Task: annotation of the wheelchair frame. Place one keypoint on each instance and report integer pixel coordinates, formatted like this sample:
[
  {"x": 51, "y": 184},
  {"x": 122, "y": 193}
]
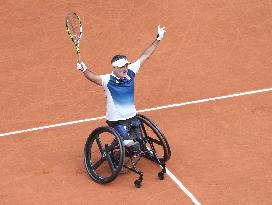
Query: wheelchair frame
[{"x": 104, "y": 144}]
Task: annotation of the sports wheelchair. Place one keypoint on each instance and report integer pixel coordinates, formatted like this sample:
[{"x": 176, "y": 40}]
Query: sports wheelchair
[{"x": 105, "y": 156}]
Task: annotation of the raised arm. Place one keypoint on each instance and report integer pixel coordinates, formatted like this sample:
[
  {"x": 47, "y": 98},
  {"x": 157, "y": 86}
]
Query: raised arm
[
  {"x": 87, "y": 73},
  {"x": 151, "y": 48}
]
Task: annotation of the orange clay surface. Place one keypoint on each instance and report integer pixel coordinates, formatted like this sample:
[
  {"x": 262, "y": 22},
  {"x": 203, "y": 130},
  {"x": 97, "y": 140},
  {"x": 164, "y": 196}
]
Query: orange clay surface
[{"x": 221, "y": 150}]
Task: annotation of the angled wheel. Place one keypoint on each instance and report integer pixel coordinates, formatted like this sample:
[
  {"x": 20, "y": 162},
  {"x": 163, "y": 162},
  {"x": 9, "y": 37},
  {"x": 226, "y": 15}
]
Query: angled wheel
[
  {"x": 154, "y": 139},
  {"x": 104, "y": 155}
]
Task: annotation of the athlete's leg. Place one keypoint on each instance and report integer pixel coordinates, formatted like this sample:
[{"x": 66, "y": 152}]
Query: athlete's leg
[{"x": 122, "y": 127}]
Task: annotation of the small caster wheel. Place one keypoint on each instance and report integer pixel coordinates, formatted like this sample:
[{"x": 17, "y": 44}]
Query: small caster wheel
[
  {"x": 161, "y": 175},
  {"x": 137, "y": 183}
]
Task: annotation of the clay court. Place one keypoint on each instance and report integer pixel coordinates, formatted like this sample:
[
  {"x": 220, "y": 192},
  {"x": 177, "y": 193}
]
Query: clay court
[{"x": 212, "y": 72}]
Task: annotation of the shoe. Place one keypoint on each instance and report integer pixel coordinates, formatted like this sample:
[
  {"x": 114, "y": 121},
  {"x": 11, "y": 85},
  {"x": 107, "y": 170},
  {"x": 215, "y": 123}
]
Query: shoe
[
  {"x": 128, "y": 143},
  {"x": 133, "y": 146}
]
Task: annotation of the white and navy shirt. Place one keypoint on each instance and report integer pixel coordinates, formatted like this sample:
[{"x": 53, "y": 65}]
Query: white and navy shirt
[{"x": 120, "y": 94}]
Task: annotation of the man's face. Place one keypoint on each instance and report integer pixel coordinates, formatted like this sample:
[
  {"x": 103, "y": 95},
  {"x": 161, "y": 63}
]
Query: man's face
[{"x": 120, "y": 72}]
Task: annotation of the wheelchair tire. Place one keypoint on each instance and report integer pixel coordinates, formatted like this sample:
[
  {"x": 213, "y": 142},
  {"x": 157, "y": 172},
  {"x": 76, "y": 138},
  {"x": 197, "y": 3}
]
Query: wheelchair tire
[
  {"x": 153, "y": 135},
  {"x": 104, "y": 154}
]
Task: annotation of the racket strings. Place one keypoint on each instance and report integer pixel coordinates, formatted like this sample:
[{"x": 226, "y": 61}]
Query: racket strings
[{"x": 74, "y": 26}]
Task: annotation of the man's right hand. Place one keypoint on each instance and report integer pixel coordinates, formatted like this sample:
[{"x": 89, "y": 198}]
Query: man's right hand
[{"x": 81, "y": 67}]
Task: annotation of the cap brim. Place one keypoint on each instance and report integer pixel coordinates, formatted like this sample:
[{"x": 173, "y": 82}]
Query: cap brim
[{"x": 120, "y": 62}]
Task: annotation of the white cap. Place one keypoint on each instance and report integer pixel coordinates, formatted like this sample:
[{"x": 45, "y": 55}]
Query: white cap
[{"x": 120, "y": 62}]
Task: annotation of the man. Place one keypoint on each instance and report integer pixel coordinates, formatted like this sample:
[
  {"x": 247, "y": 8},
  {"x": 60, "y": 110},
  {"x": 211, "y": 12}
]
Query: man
[{"x": 119, "y": 88}]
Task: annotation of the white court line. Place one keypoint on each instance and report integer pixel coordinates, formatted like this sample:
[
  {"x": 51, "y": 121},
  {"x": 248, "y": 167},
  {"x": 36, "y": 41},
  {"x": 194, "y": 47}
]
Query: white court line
[
  {"x": 139, "y": 111},
  {"x": 181, "y": 186}
]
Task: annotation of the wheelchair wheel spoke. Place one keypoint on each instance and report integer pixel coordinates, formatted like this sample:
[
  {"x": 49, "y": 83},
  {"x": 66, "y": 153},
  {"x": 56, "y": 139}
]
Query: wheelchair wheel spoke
[
  {"x": 144, "y": 130},
  {"x": 100, "y": 145},
  {"x": 154, "y": 141},
  {"x": 113, "y": 169},
  {"x": 150, "y": 138},
  {"x": 98, "y": 163}
]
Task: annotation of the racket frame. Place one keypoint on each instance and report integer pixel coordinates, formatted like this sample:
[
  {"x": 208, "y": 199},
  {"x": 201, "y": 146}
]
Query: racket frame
[{"x": 75, "y": 41}]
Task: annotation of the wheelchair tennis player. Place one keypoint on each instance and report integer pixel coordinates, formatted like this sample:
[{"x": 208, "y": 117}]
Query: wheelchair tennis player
[
  {"x": 129, "y": 129},
  {"x": 119, "y": 88}
]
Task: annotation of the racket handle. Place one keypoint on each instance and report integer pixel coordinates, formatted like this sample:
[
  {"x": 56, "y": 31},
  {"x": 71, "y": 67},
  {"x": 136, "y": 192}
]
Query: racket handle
[{"x": 79, "y": 57}]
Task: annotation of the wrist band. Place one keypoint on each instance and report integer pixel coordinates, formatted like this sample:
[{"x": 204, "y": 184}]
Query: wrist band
[
  {"x": 159, "y": 38},
  {"x": 84, "y": 67}
]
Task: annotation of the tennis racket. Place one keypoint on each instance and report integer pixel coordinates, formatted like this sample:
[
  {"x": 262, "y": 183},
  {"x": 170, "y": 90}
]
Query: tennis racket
[{"x": 74, "y": 29}]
